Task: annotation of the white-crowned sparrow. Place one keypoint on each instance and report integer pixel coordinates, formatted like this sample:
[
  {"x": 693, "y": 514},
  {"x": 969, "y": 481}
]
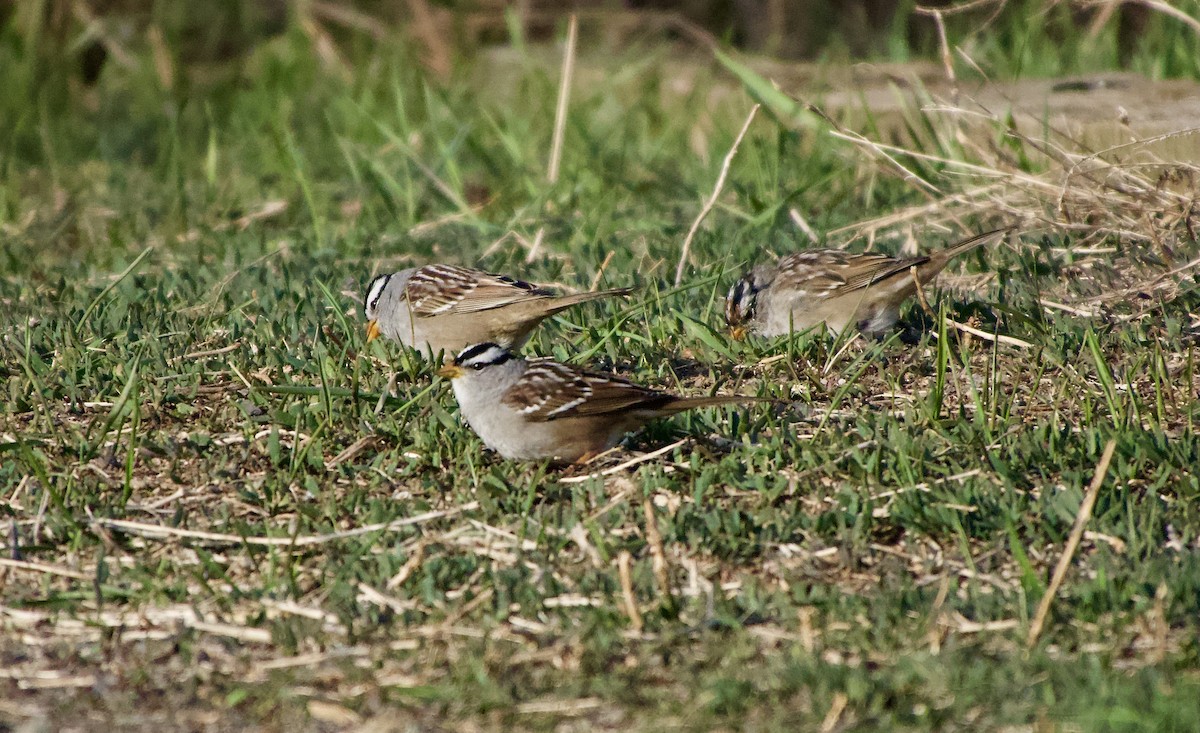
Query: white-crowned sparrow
[
  {"x": 439, "y": 308},
  {"x": 835, "y": 287},
  {"x": 539, "y": 408}
]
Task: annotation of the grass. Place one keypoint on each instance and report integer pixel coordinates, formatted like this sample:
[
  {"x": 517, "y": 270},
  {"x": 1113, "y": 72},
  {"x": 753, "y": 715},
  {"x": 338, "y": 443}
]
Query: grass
[{"x": 194, "y": 436}]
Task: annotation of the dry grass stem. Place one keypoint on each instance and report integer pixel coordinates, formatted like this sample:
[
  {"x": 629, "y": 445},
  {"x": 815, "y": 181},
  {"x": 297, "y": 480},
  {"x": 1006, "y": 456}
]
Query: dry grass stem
[
  {"x": 836, "y": 708},
  {"x": 956, "y": 9},
  {"x": 627, "y": 464},
  {"x": 560, "y": 707},
  {"x": 657, "y": 553},
  {"x": 1064, "y": 562},
  {"x": 371, "y": 595},
  {"x": 207, "y": 353},
  {"x": 884, "y": 152},
  {"x": 624, "y": 560},
  {"x": 936, "y": 621},
  {"x": 595, "y": 284},
  {"x": 153, "y": 622},
  {"x": 920, "y": 290},
  {"x": 158, "y": 531},
  {"x": 408, "y": 568},
  {"x": 564, "y": 98},
  {"x": 802, "y": 223},
  {"x": 997, "y": 338},
  {"x": 536, "y": 246},
  {"x": 944, "y": 46},
  {"x": 1067, "y": 309},
  {"x": 685, "y": 251},
  {"x": 38, "y": 567}
]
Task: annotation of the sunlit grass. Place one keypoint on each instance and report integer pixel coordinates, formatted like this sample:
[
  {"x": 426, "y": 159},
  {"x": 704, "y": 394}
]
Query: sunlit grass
[{"x": 181, "y": 348}]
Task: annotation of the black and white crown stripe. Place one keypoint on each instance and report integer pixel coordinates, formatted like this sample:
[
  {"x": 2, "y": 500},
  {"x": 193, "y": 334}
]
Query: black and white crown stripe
[
  {"x": 739, "y": 303},
  {"x": 482, "y": 355},
  {"x": 374, "y": 293}
]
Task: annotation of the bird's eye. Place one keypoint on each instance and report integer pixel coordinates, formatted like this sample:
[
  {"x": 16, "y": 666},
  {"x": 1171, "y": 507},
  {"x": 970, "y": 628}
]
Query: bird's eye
[{"x": 477, "y": 367}]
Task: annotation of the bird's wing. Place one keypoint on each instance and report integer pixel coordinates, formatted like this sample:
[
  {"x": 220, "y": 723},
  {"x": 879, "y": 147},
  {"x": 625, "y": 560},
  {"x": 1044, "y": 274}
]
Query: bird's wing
[
  {"x": 549, "y": 390},
  {"x": 442, "y": 289},
  {"x": 830, "y": 273}
]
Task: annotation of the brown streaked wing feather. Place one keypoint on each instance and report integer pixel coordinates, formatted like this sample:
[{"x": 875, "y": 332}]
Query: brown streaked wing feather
[
  {"x": 438, "y": 289},
  {"x": 610, "y": 395},
  {"x": 829, "y": 272},
  {"x": 824, "y": 273},
  {"x": 881, "y": 267},
  {"x": 549, "y": 391},
  {"x": 888, "y": 266},
  {"x": 817, "y": 272},
  {"x": 867, "y": 269},
  {"x": 874, "y": 268}
]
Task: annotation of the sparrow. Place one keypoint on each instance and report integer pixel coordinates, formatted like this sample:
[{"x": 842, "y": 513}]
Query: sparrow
[
  {"x": 443, "y": 308},
  {"x": 528, "y": 409},
  {"x": 839, "y": 289}
]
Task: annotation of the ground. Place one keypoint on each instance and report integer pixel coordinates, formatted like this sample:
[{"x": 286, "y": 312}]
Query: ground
[{"x": 225, "y": 510}]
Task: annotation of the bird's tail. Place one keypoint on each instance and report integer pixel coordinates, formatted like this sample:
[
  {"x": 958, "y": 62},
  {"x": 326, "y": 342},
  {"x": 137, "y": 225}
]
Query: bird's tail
[
  {"x": 969, "y": 244},
  {"x": 566, "y": 301},
  {"x": 679, "y": 404}
]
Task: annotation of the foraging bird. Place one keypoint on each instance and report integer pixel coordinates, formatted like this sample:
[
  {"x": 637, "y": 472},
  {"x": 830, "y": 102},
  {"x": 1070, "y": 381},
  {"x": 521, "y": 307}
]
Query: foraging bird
[
  {"x": 539, "y": 408},
  {"x": 836, "y": 288},
  {"x": 439, "y": 308}
]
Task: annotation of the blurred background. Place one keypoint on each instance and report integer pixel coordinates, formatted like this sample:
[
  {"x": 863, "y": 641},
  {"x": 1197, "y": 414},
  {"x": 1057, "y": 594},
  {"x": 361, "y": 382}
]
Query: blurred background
[
  {"x": 84, "y": 38},
  {"x": 374, "y": 115}
]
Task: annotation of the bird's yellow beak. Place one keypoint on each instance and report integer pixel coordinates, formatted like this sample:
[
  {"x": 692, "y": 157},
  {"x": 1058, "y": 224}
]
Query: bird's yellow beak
[
  {"x": 450, "y": 371},
  {"x": 372, "y": 331},
  {"x": 737, "y": 333}
]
